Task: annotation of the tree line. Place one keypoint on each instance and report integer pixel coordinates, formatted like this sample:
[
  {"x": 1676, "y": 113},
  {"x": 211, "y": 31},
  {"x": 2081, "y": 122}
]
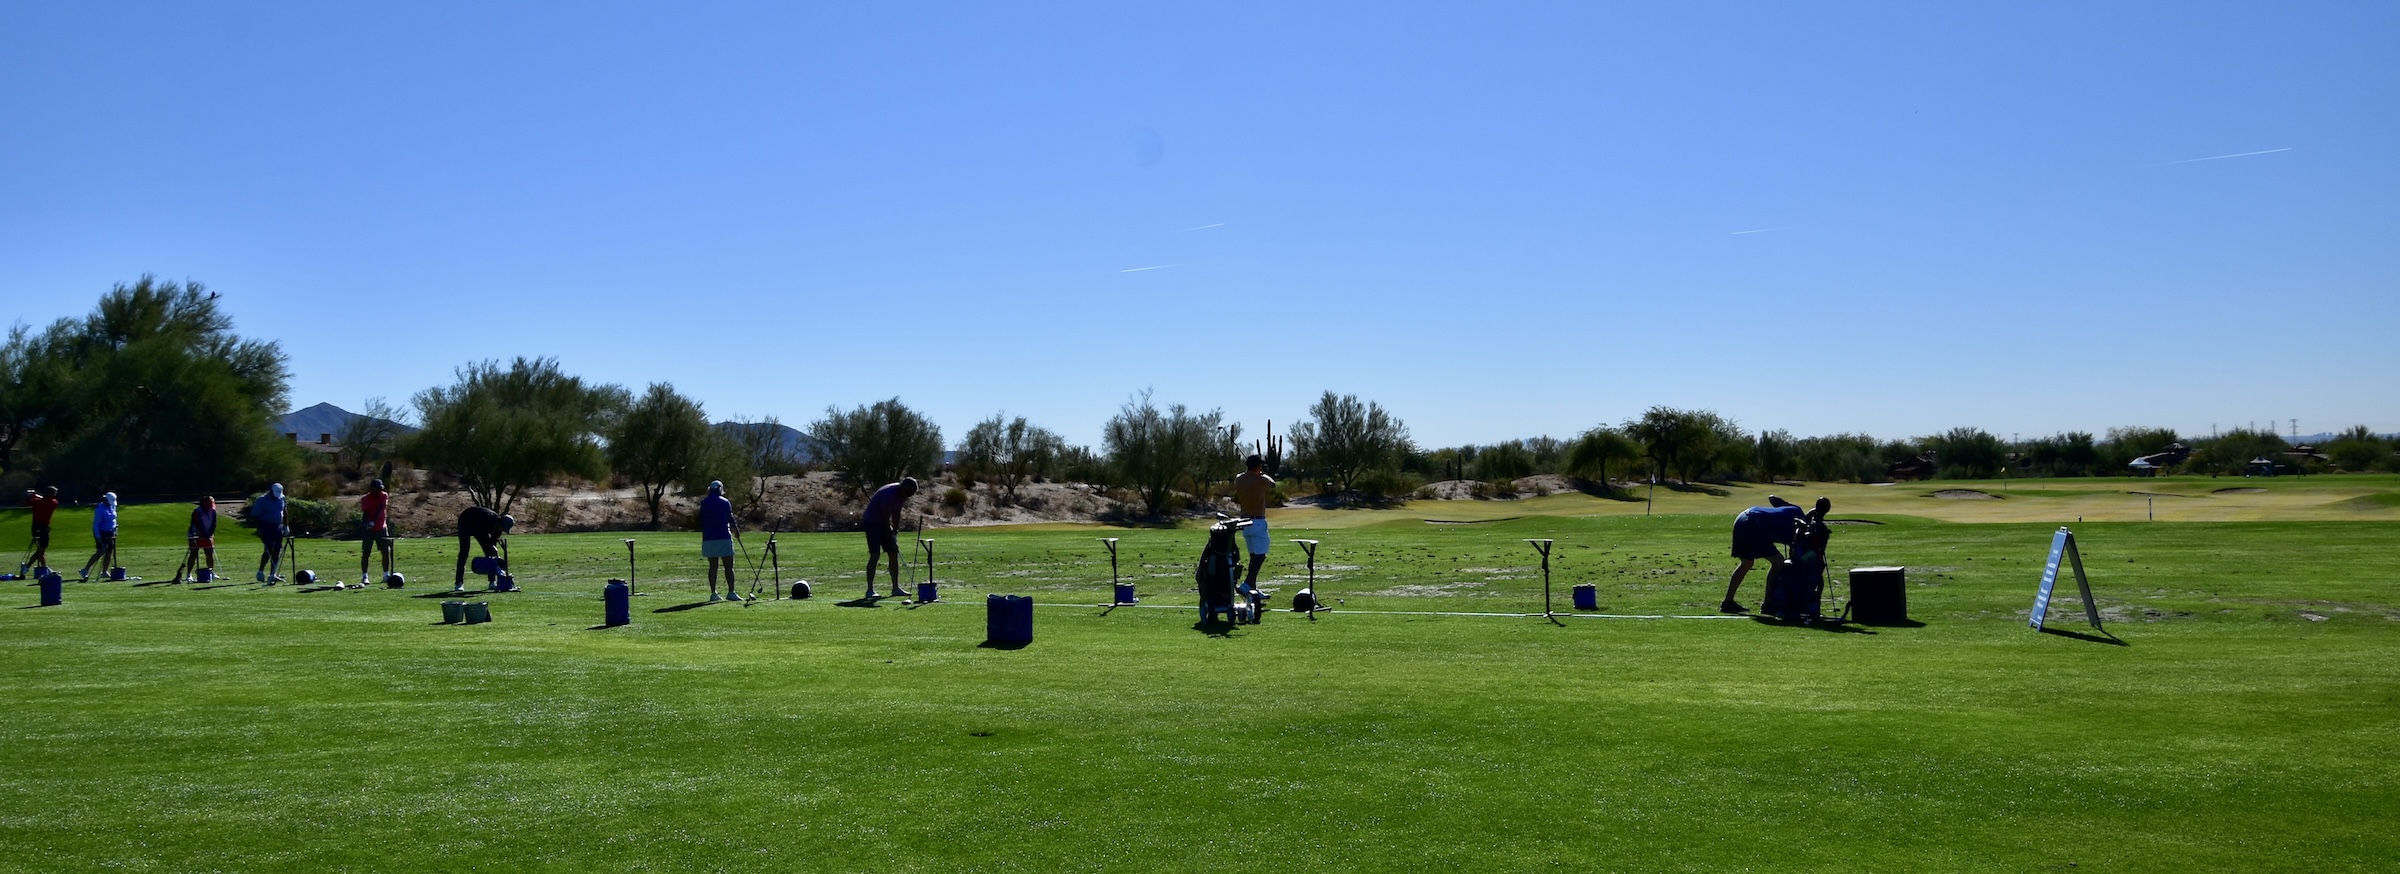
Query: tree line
[{"x": 153, "y": 394}]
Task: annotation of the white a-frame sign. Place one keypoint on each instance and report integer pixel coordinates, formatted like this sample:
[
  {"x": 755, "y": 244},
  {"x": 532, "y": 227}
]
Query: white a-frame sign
[{"x": 2063, "y": 546}]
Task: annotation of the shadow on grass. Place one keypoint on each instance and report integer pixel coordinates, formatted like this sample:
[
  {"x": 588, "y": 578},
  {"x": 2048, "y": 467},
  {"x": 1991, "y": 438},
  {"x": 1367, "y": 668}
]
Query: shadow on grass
[
  {"x": 603, "y": 627},
  {"x": 678, "y": 608},
  {"x": 1697, "y": 489},
  {"x": 1004, "y": 644},
  {"x": 2102, "y": 637},
  {"x": 1213, "y": 627},
  {"x": 1830, "y": 626},
  {"x": 1605, "y": 491},
  {"x": 155, "y": 583},
  {"x": 866, "y": 601},
  {"x": 220, "y": 586}
]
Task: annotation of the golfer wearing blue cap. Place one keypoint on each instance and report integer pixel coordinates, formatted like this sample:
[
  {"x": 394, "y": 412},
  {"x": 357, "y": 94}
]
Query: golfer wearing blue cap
[{"x": 716, "y": 539}]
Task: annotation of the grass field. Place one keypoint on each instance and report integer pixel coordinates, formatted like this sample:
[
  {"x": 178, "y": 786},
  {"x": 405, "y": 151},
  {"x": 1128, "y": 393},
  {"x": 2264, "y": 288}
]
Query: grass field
[{"x": 2242, "y": 712}]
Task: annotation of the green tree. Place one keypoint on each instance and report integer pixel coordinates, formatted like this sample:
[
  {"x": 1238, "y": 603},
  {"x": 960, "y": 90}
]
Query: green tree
[
  {"x": 501, "y": 431},
  {"x": 2232, "y": 451},
  {"x": 370, "y": 437},
  {"x": 1150, "y": 450},
  {"x": 19, "y": 406},
  {"x": 152, "y": 392},
  {"x": 1503, "y": 463},
  {"x": 2358, "y": 449},
  {"x": 2126, "y": 444},
  {"x": 1968, "y": 453},
  {"x": 1345, "y": 438},
  {"x": 880, "y": 443},
  {"x": 1772, "y": 454},
  {"x": 1682, "y": 443},
  {"x": 660, "y": 437},
  {"x": 1593, "y": 452},
  {"x": 1011, "y": 450},
  {"x": 723, "y": 457}
]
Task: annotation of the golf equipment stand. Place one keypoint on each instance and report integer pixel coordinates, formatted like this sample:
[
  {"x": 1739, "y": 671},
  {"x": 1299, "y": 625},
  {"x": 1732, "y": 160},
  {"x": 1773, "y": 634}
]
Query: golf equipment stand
[
  {"x": 1543, "y": 546},
  {"x": 630, "y": 588},
  {"x": 1314, "y": 602},
  {"x": 1115, "y": 585}
]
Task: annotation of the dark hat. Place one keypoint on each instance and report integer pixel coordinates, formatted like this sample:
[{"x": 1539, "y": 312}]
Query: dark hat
[{"x": 1255, "y": 461}]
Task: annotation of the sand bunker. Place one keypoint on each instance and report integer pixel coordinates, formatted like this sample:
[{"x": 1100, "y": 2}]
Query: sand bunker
[
  {"x": 2239, "y": 491},
  {"x": 1964, "y": 495}
]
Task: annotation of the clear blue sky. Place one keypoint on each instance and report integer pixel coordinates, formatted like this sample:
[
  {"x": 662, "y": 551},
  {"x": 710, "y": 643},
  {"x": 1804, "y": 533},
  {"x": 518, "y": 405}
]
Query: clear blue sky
[{"x": 1498, "y": 221}]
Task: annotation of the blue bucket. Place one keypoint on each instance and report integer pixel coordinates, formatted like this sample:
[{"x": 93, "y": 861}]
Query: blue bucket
[
  {"x": 206, "y": 574},
  {"x": 926, "y": 593},
  {"x": 504, "y": 583},
  {"x": 116, "y": 575},
  {"x": 486, "y": 565},
  {"x": 1008, "y": 619},
  {"x": 1125, "y": 593},
  {"x": 1587, "y": 597},
  {"x": 52, "y": 584},
  {"x": 616, "y": 604}
]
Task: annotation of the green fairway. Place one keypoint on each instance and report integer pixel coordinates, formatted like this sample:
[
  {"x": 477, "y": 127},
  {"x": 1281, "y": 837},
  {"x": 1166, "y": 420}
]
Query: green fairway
[{"x": 2242, "y": 713}]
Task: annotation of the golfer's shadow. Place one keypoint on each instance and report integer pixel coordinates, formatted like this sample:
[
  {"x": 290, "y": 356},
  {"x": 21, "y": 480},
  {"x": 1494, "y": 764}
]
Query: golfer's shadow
[
  {"x": 2110, "y": 639},
  {"x": 678, "y": 608},
  {"x": 1834, "y": 627},
  {"x": 868, "y": 601},
  {"x": 1213, "y": 627},
  {"x": 1003, "y": 644}
]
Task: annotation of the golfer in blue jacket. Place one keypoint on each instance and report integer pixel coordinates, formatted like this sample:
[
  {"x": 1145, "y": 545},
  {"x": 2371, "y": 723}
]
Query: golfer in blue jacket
[{"x": 104, "y": 537}]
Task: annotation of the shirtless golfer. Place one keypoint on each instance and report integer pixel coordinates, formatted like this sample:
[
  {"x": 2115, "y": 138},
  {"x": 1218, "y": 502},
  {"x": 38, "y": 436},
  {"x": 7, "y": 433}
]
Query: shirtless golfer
[
  {"x": 1250, "y": 490},
  {"x": 883, "y": 529}
]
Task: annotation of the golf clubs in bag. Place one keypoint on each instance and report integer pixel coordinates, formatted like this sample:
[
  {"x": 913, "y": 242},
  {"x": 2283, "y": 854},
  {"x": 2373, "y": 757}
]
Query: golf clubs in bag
[
  {"x": 1220, "y": 575},
  {"x": 1796, "y": 588}
]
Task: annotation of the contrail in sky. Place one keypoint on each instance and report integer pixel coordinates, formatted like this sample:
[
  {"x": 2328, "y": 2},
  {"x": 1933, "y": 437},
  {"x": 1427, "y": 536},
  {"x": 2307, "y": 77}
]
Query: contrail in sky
[
  {"x": 2222, "y": 157},
  {"x": 1206, "y": 227},
  {"x": 1759, "y": 231},
  {"x": 1140, "y": 269}
]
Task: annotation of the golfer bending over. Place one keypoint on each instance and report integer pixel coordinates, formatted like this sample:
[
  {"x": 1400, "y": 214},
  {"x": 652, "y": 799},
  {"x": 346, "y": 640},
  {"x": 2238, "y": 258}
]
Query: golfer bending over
[
  {"x": 375, "y": 515},
  {"x": 485, "y": 528},
  {"x": 1250, "y": 490},
  {"x": 267, "y": 514},
  {"x": 716, "y": 539},
  {"x": 43, "y": 504},
  {"x": 1756, "y": 531},
  {"x": 883, "y": 529},
  {"x": 200, "y": 536},
  {"x": 104, "y": 537}
]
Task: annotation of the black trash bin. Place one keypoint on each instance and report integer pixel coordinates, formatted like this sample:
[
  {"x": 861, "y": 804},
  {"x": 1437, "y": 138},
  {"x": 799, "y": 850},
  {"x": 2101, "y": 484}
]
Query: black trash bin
[{"x": 1879, "y": 595}]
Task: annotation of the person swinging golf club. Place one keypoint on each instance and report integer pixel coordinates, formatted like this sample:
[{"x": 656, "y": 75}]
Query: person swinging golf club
[
  {"x": 1251, "y": 490},
  {"x": 104, "y": 537},
  {"x": 375, "y": 516},
  {"x": 883, "y": 529},
  {"x": 42, "y": 504},
  {"x": 266, "y": 513},
  {"x": 716, "y": 539},
  {"x": 199, "y": 537},
  {"x": 484, "y": 528}
]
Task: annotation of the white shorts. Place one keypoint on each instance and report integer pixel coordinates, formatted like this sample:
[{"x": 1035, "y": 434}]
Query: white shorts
[{"x": 1256, "y": 537}]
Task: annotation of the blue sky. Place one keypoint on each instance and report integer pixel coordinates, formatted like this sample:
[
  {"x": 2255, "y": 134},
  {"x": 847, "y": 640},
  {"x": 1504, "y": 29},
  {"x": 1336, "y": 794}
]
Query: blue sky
[{"x": 1498, "y": 221}]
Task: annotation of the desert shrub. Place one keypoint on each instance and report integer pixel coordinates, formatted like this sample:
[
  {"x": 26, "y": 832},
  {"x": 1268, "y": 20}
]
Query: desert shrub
[
  {"x": 955, "y": 498},
  {"x": 545, "y": 515},
  {"x": 1377, "y": 485},
  {"x": 1480, "y": 490},
  {"x": 312, "y": 518}
]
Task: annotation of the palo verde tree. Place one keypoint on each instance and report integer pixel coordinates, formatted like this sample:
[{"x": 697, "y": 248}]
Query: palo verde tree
[
  {"x": 1345, "y": 438},
  {"x": 1150, "y": 449},
  {"x": 880, "y": 443},
  {"x": 1593, "y": 452},
  {"x": 661, "y": 436},
  {"x": 1675, "y": 440},
  {"x": 502, "y": 430},
  {"x": 2358, "y": 449},
  {"x": 1010, "y": 450},
  {"x": 152, "y": 392}
]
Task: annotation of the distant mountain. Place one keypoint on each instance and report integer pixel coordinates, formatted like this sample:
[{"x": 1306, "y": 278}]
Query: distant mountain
[
  {"x": 805, "y": 449},
  {"x": 321, "y": 419}
]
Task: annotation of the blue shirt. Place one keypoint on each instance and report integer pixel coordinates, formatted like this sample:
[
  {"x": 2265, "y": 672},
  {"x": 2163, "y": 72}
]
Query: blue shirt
[
  {"x": 883, "y": 509},
  {"x": 1773, "y": 523},
  {"x": 267, "y": 510},
  {"x": 716, "y": 518},
  {"x": 104, "y": 518}
]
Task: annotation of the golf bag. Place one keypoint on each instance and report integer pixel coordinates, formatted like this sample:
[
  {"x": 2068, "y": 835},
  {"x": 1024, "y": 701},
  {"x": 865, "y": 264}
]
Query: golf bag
[
  {"x": 1220, "y": 575},
  {"x": 1796, "y": 588}
]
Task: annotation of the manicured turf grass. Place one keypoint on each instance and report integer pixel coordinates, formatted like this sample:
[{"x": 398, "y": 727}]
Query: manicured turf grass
[{"x": 231, "y": 728}]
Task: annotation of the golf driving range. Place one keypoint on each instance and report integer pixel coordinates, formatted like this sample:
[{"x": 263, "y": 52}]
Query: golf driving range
[{"x": 2239, "y": 711}]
